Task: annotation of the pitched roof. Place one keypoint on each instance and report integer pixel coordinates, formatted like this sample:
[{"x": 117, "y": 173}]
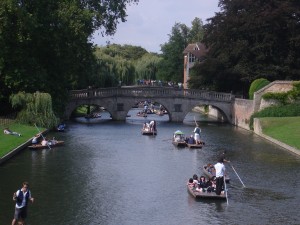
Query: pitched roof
[{"x": 197, "y": 49}]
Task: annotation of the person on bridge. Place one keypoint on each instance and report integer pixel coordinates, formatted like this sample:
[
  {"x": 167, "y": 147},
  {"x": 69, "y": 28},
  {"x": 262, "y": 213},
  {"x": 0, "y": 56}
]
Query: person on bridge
[{"x": 22, "y": 196}]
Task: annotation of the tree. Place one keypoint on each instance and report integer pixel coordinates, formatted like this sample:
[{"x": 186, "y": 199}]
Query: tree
[
  {"x": 253, "y": 39},
  {"x": 35, "y": 109},
  {"x": 196, "y": 32},
  {"x": 147, "y": 67},
  {"x": 46, "y": 45},
  {"x": 171, "y": 67}
]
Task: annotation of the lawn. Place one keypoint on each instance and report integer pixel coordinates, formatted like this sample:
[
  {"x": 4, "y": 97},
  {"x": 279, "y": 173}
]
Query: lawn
[
  {"x": 284, "y": 129},
  {"x": 9, "y": 142}
]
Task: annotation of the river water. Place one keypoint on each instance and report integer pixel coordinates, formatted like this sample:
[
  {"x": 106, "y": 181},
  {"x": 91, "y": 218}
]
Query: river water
[{"x": 108, "y": 173}]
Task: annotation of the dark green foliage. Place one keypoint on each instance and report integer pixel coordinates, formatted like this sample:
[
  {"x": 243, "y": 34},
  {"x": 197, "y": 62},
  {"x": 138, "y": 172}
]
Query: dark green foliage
[
  {"x": 46, "y": 45},
  {"x": 257, "y": 85},
  {"x": 35, "y": 109},
  {"x": 250, "y": 40},
  {"x": 286, "y": 97}
]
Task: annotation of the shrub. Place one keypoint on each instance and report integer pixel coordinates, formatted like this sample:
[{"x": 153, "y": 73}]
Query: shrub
[{"x": 257, "y": 85}]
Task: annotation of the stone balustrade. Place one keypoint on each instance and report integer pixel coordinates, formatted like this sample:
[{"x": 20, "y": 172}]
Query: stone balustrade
[{"x": 150, "y": 92}]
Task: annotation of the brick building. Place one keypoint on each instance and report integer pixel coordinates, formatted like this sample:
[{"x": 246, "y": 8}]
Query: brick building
[{"x": 192, "y": 53}]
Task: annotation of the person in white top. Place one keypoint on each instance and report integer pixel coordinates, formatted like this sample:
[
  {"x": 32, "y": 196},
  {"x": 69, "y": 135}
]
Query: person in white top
[
  {"x": 197, "y": 132},
  {"x": 220, "y": 172},
  {"x": 44, "y": 142},
  {"x": 21, "y": 197}
]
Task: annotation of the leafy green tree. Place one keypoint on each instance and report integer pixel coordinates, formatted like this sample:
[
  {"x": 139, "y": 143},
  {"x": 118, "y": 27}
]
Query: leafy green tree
[
  {"x": 250, "y": 40},
  {"x": 147, "y": 67},
  {"x": 196, "y": 32},
  {"x": 171, "y": 67},
  {"x": 46, "y": 45},
  {"x": 35, "y": 109},
  {"x": 128, "y": 52}
]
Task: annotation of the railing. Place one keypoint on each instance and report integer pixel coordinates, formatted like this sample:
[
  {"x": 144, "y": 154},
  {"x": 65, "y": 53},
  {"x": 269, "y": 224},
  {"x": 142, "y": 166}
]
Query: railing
[{"x": 151, "y": 92}]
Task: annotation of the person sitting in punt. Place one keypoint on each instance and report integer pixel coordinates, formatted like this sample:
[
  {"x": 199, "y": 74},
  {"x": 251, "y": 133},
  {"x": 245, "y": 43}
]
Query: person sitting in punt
[
  {"x": 44, "y": 142},
  {"x": 146, "y": 127},
  {"x": 210, "y": 169},
  {"x": 53, "y": 141},
  {"x": 202, "y": 184},
  {"x": 211, "y": 184},
  {"x": 35, "y": 139},
  {"x": 191, "y": 140},
  {"x": 177, "y": 137},
  {"x": 191, "y": 183},
  {"x": 195, "y": 178}
]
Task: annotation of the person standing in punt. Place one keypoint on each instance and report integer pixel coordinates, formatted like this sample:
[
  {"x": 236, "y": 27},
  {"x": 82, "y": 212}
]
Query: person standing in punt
[
  {"x": 220, "y": 172},
  {"x": 21, "y": 197},
  {"x": 197, "y": 132}
]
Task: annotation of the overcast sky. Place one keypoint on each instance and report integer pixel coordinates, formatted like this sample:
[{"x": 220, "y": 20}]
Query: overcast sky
[{"x": 150, "y": 22}]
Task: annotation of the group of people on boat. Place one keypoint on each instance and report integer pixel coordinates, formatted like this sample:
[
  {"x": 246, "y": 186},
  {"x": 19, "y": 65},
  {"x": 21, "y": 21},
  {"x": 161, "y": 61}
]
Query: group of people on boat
[
  {"x": 151, "y": 126},
  {"x": 192, "y": 139},
  {"x": 215, "y": 184},
  {"x": 47, "y": 142},
  {"x": 44, "y": 142},
  {"x": 202, "y": 184}
]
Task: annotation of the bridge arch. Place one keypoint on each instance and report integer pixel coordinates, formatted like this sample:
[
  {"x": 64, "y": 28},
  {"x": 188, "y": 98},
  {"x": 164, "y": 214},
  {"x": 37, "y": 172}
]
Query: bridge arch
[{"x": 178, "y": 102}]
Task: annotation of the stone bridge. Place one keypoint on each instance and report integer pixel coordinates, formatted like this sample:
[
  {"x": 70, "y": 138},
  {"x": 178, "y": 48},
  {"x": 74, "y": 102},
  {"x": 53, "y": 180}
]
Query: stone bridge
[{"x": 178, "y": 102}]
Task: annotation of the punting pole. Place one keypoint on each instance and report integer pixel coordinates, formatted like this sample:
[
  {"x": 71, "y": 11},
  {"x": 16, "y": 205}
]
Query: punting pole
[
  {"x": 42, "y": 135},
  {"x": 237, "y": 175},
  {"x": 225, "y": 189}
]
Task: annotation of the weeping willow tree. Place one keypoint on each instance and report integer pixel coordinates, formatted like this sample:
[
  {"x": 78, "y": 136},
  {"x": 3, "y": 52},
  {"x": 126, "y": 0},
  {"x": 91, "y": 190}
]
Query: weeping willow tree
[{"x": 34, "y": 108}]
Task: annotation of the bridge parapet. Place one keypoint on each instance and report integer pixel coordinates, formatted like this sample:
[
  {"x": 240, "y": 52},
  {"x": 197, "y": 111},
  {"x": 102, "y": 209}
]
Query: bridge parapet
[{"x": 150, "y": 92}]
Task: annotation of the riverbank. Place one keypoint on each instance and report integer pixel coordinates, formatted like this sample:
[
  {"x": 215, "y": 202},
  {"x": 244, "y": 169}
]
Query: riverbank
[
  {"x": 12, "y": 144},
  {"x": 283, "y": 131}
]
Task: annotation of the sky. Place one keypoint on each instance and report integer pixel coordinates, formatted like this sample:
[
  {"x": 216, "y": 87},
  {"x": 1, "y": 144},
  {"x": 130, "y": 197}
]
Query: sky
[{"x": 150, "y": 22}]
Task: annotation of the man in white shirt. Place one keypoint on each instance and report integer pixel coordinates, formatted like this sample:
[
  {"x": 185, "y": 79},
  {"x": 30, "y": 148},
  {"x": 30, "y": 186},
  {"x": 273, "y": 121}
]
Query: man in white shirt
[{"x": 220, "y": 172}]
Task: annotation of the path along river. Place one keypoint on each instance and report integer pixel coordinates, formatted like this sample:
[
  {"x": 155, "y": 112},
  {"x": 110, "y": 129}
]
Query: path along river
[{"x": 109, "y": 173}]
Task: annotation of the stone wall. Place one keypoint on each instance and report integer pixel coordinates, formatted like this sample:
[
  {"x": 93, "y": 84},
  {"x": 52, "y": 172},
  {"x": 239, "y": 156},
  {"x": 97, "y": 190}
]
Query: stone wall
[
  {"x": 276, "y": 86},
  {"x": 244, "y": 108},
  {"x": 241, "y": 113}
]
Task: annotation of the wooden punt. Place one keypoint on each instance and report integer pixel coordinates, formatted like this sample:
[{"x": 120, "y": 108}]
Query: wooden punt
[
  {"x": 205, "y": 195},
  {"x": 210, "y": 174},
  {"x": 179, "y": 143},
  {"x": 148, "y": 132},
  {"x": 194, "y": 145},
  {"x": 40, "y": 146}
]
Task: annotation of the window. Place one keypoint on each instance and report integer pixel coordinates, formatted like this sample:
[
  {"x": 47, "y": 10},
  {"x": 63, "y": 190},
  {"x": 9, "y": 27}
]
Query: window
[{"x": 192, "y": 58}]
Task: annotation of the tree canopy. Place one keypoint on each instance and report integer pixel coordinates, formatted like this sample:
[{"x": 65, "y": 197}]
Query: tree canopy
[
  {"x": 46, "y": 45},
  {"x": 249, "y": 40},
  {"x": 171, "y": 65}
]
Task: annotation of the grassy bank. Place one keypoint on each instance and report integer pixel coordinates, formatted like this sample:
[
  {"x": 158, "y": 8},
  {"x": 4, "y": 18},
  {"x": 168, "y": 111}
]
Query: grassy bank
[
  {"x": 284, "y": 129},
  {"x": 10, "y": 142}
]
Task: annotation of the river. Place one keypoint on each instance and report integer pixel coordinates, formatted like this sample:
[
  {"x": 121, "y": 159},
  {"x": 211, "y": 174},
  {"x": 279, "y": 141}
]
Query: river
[{"x": 108, "y": 173}]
